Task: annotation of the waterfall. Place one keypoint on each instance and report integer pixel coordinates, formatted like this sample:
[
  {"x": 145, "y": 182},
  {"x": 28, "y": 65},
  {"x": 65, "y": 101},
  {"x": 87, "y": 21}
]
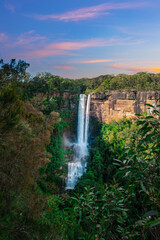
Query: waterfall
[
  {"x": 87, "y": 120},
  {"x": 78, "y": 166},
  {"x": 81, "y": 118}
]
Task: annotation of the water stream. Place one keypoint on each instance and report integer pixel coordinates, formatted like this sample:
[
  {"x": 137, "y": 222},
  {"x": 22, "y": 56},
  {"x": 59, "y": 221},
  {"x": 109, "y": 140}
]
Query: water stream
[{"x": 77, "y": 167}]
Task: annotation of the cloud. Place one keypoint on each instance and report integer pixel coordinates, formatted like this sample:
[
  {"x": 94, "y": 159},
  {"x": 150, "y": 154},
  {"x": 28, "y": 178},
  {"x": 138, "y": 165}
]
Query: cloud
[
  {"x": 64, "y": 67},
  {"x": 27, "y": 39},
  {"x": 32, "y": 45},
  {"x": 45, "y": 53},
  {"x": 98, "y": 61},
  {"x": 77, "y": 45},
  {"x": 156, "y": 69},
  {"x": 66, "y": 48},
  {"x": 90, "y": 12},
  {"x": 10, "y": 7},
  {"x": 144, "y": 69},
  {"x": 142, "y": 32},
  {"x": 126, "y": 67},
  {"x": 23, "y": 45},
  {"x": 3, "y": 37}
]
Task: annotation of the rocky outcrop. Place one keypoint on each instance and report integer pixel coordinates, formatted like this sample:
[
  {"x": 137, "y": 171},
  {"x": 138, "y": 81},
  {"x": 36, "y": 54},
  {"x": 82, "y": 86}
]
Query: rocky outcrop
[{"x": 113, "y": 105}]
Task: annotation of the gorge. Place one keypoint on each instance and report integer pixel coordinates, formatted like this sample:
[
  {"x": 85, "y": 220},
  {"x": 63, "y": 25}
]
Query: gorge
[{"x": 103, "y": 107}]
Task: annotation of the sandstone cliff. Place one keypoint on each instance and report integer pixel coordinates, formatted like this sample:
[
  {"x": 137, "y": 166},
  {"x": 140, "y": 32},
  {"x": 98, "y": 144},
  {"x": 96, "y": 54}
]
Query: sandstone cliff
[{"x": 115, "y": 105}]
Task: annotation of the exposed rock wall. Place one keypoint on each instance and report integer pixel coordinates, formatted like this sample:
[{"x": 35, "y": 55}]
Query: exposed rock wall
[{"x": 109, "y": 106}]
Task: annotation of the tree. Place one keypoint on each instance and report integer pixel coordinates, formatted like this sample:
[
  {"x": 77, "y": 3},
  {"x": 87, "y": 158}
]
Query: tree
[{"x": 12, "y": 72}]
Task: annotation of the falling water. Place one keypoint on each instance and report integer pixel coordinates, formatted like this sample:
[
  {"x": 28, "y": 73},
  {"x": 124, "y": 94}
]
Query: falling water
[
  {"x": 81, "y": 118},
  {"x": 87, "y": 120},
  {"x": 78, "y": 166}
]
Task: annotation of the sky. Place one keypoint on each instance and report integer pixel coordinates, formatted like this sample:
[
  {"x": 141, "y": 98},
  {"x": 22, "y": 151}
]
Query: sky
[{"x": 84, "y": 38}]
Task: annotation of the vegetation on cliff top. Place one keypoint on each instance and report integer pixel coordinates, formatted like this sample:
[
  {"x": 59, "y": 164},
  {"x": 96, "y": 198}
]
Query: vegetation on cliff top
[{"x": 46, "y": 83}]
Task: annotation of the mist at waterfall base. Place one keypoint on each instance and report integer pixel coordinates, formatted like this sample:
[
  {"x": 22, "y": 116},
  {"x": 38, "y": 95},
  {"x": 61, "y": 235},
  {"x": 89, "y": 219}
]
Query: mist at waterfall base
[{"x": 77, "y": 167}]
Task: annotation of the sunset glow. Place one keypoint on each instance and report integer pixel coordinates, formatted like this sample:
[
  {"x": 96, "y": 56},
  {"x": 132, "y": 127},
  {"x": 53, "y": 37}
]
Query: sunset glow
[
  {"x": 99, "y": 61},
  {"x": 134, "y": 68}
]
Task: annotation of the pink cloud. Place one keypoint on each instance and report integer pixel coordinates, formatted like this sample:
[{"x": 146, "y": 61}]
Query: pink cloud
[
  {"x": 3, "y": 37},
  {"x": 46, "y": 53},
  {"x": 77, "y": 45},
  {"x": 64, "y": 67},
  {"x": 115, "y": 66},
  {"x": 27, "y": 38},
  {"x": 65, "y": 48},
  {"x": 10, "y": 7},
  {"x": 90, "y": 12},
  {"x": 33, "y": 45},
  {"x": 126, "y": 67}
]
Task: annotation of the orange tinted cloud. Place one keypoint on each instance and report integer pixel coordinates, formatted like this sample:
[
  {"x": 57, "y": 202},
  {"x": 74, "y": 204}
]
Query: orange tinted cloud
[
  {"x": 134, "y": 68},
  {"x": 90, "y": 12},
  {"x": 98, "y": 61},
  {"x": 156, "y": 69},
  {"x": 144, "y": 69}
]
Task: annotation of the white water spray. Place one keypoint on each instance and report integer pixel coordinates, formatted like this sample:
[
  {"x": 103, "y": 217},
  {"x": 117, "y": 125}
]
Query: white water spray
[
  {"x": 81, "y": 118},
  {"x": 78, "y": 166}
]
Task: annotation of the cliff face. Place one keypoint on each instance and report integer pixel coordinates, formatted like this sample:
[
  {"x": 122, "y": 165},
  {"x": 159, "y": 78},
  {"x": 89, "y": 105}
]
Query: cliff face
[{"x": 115, "y": 105}]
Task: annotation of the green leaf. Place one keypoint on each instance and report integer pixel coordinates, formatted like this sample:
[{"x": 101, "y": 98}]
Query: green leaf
[
  {"x": 149, "y": 105},
  {"x": 140, "y": 122},
  {"x": 143, "y": 187},
  {"x": 149, "y": 117},
  {"x": 153, "y": 223},
  {"x": 150, "y": 213}
]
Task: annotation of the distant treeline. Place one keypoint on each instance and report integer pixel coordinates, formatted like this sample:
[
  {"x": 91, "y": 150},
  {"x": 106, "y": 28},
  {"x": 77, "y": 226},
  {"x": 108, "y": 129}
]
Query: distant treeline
[
  {"x": 49, "y": 83},
  {"x": 46, "y": 82}
]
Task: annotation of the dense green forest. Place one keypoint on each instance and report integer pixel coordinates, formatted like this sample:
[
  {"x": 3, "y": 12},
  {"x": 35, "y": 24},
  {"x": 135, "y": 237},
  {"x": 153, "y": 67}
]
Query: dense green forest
[{"x": 119, "y": 195}]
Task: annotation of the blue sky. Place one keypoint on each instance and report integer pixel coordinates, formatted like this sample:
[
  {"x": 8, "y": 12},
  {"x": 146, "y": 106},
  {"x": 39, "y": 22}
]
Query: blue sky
[{"x": 82, "y": 38}]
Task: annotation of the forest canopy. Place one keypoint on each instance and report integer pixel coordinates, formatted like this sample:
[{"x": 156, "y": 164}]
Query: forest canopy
[{"x": 48, "y": 83}]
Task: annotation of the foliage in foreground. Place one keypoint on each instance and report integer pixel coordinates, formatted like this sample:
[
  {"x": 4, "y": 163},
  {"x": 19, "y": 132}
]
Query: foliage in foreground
[{"x": 128, "y": 206}]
